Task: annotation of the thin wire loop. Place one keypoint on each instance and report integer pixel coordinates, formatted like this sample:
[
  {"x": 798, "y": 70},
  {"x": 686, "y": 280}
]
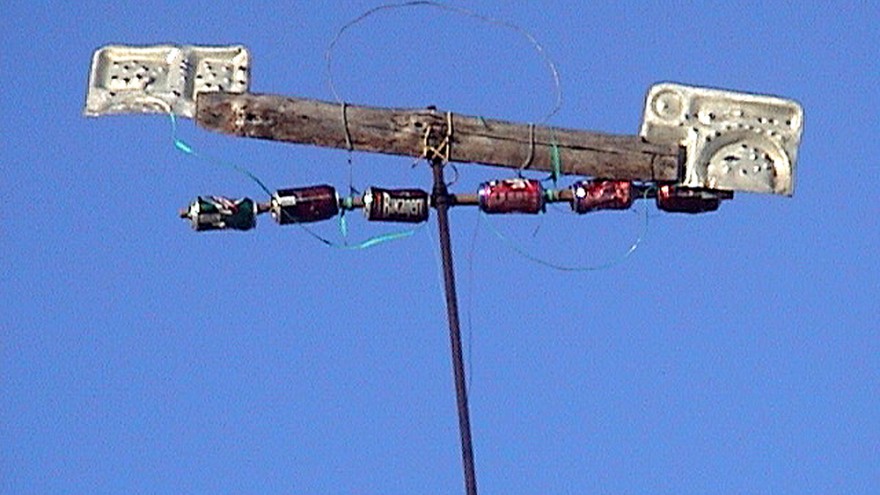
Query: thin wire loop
[
  {"x": 568, "y": 268},
  {"x": 349, "y": 146},
  {"x": 455, "y": 175},
  {"x": 528, "y": 161},
  {"x": 469, "y": 315},
  {"x": 551, "y": 65}
]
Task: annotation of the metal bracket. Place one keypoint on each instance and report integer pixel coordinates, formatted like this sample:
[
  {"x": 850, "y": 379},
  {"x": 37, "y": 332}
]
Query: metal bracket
[
  {"x": 163, "y": 78},
  {"x": 734, "y": 141}
]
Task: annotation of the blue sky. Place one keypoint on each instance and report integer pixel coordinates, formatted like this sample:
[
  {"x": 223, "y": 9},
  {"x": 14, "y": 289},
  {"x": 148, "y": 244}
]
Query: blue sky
[{"x": 734, "y": 352}]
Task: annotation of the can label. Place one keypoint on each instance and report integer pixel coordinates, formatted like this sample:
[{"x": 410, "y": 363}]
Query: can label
[
  {"x": 305, "y": 204},
  {"x": 686, "y": 200},
  {"x": 396, "y": 205},
  {"x": 595, "y": 195},
  {"x": 221, "y": 213},
  {"x": 512, "y": 196}
]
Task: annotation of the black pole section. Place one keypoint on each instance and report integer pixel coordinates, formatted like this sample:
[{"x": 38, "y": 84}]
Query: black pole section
[{"x": 441, "y": 200}]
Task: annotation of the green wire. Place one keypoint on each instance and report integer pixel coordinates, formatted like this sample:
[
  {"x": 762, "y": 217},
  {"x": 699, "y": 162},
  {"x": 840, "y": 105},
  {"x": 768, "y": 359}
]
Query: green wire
[
  {"x": 185, "y": 148},
  {"x": 555, "y": 159}
]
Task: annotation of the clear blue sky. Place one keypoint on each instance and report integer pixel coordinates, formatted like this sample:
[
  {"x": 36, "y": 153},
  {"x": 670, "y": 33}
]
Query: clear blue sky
[{"x": 734, "y": 352}]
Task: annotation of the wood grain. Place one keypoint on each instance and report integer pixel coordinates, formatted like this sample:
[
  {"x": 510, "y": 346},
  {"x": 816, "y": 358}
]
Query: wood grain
[{"x": 402, "y": 132}]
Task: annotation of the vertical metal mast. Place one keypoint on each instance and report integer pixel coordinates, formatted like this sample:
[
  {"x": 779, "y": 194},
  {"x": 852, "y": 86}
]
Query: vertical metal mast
[{"x": 441, "y": 201}]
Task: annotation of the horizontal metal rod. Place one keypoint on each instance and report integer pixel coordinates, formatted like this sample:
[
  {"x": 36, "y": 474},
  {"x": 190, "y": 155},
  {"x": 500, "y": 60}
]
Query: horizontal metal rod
[
  {"x": 432, "y": 133},
  {"x": 641, "y": 191}
]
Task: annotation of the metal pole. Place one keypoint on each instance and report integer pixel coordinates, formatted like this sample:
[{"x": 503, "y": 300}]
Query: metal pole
[{"x": 441, "y": 201}]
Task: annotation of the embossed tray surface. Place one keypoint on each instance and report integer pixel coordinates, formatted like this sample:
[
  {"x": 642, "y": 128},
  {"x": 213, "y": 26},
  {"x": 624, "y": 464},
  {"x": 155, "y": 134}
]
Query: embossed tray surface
[
  {"x": 734, "y": 141},
  {"x": 162, "y": 78}
]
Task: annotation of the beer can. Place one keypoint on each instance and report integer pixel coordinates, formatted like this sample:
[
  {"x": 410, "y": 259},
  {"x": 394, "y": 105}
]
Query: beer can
[
  {"x": 396, "y": 205},
  {"x": 304, "y": 204},
  {"x": 512, "y": 196},
  {"x": 221, "y": 213},
  {"x": 592, "y": 195},
  {"x": 678, "y": 199}
]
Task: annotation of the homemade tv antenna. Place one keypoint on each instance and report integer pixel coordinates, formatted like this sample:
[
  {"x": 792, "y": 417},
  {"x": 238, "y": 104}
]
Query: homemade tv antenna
[{"x": 695, "y": 148}]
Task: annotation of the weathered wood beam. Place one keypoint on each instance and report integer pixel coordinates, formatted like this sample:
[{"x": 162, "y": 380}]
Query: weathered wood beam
[{"x": 402, "y": 132}]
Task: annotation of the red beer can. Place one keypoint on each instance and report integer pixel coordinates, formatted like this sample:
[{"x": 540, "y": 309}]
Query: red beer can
[
  {"x": 595, "y": 195},
  {"x": 304, "y": 204},
  {"x": 396, "y": 205},
  {"x": 678, "y": 199},
  {"x": 512, "y": 196}
]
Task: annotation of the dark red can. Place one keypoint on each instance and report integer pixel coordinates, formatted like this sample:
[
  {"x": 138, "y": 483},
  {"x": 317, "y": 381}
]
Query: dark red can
[
  {"x": 678, "y": 199},
  {"x": 595, "y": 195},
  {"x": 512, "y": 196},
  {"x": 396, "y": 205},
  {"x": 305, "y": 204}
]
